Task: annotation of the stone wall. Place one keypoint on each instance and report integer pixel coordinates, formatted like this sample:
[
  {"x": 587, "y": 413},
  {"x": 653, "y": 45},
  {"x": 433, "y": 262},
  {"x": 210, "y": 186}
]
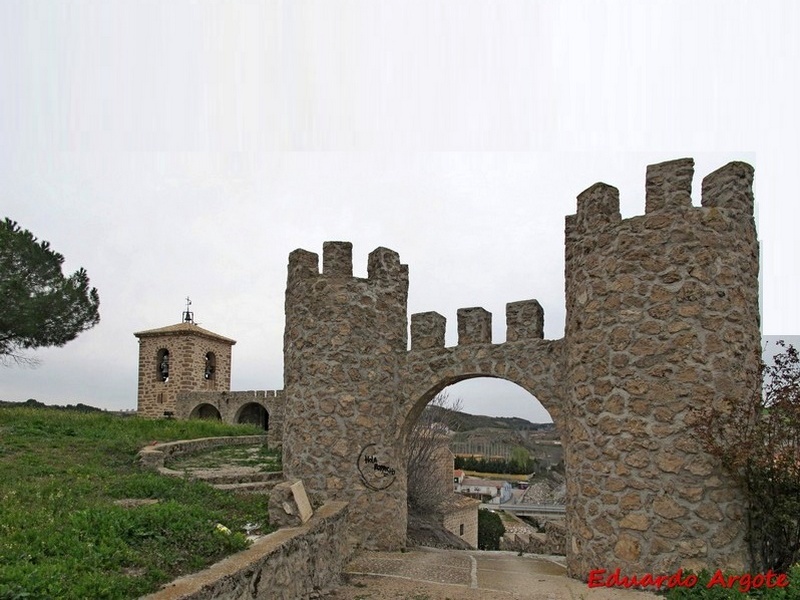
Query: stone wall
[
  {"x": 461, "y": 518},
  {"x": 662, "y": 318},
  {"x": 551, "y": 541},
  {"x": 231, "y": 407},
  {"x": 289, "y": 564}
]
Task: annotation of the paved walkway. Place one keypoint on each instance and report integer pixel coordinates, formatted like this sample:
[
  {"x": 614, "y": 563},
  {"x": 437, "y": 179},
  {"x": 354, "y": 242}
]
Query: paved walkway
[{"x": 429, "y": 574}]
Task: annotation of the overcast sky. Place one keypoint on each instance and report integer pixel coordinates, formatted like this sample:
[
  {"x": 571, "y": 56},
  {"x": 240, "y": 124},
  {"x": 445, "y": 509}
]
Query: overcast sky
[{"x": 186, "y": 147}]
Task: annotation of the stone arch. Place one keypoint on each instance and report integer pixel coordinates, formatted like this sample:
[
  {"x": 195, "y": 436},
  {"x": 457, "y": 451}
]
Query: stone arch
[
  {"x": 253, "y": 413},
  {"x": 420, "y": 399},
  {"x": 533, "y": 365},
  {"x": 206, "y": 411}
]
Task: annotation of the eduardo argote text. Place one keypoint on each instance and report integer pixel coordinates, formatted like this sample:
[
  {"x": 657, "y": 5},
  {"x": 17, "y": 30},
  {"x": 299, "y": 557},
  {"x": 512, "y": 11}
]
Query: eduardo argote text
[{"x": 744, "y": 583}]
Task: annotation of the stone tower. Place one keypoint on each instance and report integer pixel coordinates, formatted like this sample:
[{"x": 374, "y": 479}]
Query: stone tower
[
  {"x": 344, "y": 342},
  {"x": 662, "y": 320},
  {"x": 180, "y": 358}
]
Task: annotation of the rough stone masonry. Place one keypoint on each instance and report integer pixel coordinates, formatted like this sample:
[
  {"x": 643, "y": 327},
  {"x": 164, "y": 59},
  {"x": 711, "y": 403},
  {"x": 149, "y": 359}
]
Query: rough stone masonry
[{"x": 662, "y": 318}]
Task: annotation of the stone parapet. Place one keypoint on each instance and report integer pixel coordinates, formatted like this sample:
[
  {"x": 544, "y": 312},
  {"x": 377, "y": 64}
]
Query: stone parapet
[{"x": 289, "y": 564}]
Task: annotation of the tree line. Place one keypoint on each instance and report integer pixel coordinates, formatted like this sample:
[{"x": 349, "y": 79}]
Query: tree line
[{"x": 516, "y": 465}]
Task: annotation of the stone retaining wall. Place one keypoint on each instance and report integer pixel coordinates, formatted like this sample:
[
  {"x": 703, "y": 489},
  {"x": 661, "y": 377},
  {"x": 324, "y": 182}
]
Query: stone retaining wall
[
  {"x": 153, "y": 457},
  {"x": 290, "y": 564}
]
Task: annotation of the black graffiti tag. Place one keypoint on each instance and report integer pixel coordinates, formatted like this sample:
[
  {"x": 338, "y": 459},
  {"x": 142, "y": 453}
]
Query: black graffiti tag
[{"x": 374, "y": 475}]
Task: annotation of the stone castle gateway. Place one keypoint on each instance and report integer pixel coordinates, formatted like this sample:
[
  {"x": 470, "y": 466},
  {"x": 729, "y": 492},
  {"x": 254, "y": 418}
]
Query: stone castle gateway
[{"x": 662, "y": 319}]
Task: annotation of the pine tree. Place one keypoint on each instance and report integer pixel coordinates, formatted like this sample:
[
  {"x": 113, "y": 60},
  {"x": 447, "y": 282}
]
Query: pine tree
[{"x": 39, "y": 306}]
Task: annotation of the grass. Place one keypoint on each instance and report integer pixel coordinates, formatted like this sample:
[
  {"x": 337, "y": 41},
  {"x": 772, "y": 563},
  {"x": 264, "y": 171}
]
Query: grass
[{"x": 62, "y": 536}]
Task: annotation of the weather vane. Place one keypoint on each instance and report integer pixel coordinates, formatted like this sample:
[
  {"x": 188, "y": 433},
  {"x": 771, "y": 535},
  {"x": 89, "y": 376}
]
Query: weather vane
[{"x": 188, "y": 316}]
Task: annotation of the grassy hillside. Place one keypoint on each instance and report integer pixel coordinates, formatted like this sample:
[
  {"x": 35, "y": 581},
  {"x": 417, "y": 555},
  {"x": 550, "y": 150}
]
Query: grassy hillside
[{"x": 62, "y": 535}]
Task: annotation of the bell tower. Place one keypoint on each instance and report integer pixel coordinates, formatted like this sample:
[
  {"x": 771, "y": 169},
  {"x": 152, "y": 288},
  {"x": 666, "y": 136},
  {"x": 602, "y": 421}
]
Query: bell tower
[{"x": 180, "y": 358}]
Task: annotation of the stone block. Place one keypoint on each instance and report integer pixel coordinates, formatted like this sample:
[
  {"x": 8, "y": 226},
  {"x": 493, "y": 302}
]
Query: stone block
[
  {"x": 284, "y": 509},
  {"x": 669, "y": 185},
  {"x": 524, "y": 320},
  {"x": 301, "y": 501},
  {"x": 337, "y": 259},
  {"x": 427, "y": 330},
  {"x": 598, "y": 205},
  {"x": 730, "y": 186},
  {"x": 474, "y": 326}
]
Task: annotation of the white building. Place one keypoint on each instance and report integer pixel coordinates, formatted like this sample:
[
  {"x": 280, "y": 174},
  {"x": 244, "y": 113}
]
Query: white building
[{"x": 486, "y": 490}]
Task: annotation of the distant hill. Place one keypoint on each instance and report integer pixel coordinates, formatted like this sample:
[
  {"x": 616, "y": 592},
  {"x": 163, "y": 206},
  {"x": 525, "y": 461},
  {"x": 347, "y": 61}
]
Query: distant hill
[
  {"x": 36, "y": 404},
  {"x": 461, "y": 421}
]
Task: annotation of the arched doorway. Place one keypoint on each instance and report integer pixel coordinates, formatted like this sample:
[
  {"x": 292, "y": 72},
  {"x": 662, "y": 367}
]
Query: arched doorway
[
  {"x": 487, "y": 443},
  {"x": 205, "y": 411},
  {"x": 254, "y": 414}
]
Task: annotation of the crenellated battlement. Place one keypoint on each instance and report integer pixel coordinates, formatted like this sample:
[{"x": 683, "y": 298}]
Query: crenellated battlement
[
  {"x": 303, "y": 265},
  {"x": 383, "y": 264},
  {"x": 598, "y": 206},
  {"x": 474, "y": 326},
  {"x": 524, "y": 320},
  {"x": 668, "y": 187}
]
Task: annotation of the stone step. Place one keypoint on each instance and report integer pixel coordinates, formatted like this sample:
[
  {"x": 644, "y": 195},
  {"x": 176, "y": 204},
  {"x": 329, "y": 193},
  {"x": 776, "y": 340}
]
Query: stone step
[
  {"x": 272, "y": 476},
  {"x": 235, "y": 476},
  {"x": 251, "y": 487}
]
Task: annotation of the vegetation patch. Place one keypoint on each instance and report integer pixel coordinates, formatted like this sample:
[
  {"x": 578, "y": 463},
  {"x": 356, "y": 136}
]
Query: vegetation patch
[
  {"x": 63, "y": 533},
  {"x": 727, "y": 586},
  {"x": 259, "y": 457},
  {"x": 490, "y": 529}
]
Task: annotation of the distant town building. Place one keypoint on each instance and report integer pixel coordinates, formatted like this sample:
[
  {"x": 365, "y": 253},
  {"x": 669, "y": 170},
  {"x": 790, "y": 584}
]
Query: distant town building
[{"x": 486, "y": 490}]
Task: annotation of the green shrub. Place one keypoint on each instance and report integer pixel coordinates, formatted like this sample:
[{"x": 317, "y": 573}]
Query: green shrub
[
  {"x": 757, "y": 438},
  {"x": 490, "y": 530},
  {"x": 722, "y": 592}
]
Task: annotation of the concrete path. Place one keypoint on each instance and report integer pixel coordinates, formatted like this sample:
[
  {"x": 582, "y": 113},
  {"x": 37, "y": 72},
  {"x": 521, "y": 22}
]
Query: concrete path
[{"x": 429, "y": 574}]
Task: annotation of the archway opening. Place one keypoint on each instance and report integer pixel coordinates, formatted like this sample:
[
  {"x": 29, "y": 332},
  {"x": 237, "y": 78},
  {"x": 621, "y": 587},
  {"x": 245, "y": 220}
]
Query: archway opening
[
  {"x": 206, "y": 411},
  {"x": 162, "y": 365},
  {"x": 495, "y": 452},
  {"x": 254, "y": 414},
  {"x": 210, "y": 366}
]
